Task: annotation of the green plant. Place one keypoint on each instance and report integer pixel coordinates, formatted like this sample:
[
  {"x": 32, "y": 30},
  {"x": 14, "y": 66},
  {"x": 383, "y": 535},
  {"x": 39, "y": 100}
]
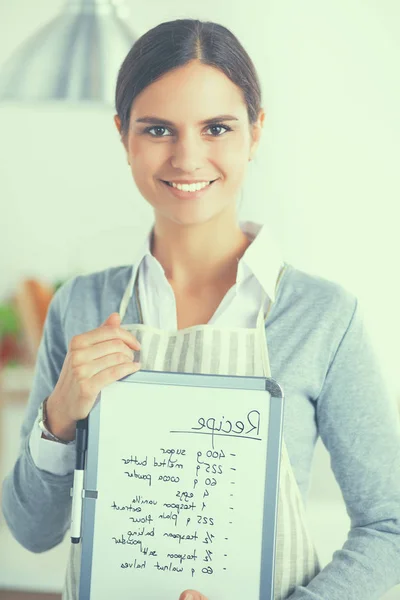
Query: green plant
[
  {"x": 9, "y": 321},
  {"x": 58, "y": 284},
  {"x": 10, "y": 330}
]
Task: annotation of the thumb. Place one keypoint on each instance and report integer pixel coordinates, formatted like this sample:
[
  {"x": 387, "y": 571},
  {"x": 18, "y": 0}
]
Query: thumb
[
  {"x": 114, "y": 320},
  {"x": 191, "y": 595}
]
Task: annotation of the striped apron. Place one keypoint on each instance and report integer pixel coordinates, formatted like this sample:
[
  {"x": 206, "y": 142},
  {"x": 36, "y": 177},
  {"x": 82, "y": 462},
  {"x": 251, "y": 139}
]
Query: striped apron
[{"x": 207, "y": 349}]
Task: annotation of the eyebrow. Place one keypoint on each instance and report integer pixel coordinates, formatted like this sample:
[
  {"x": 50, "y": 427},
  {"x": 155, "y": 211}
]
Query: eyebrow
[{"x": 153, "y": 119}]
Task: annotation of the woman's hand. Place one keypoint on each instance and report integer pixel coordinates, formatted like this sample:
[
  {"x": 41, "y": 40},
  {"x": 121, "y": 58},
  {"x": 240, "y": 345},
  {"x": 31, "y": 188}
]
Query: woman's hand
[
  {"x": 94, "y": 359},
  {"x": 191, "y": 595}
]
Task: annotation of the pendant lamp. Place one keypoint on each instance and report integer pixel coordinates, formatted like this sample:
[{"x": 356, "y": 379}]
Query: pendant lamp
[{"x": 74, "y": 58}]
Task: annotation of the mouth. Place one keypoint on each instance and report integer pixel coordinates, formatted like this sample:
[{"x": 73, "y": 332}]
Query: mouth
[
  {"x": 186, "y": 194},
  {"x": 170, "y": 184}
]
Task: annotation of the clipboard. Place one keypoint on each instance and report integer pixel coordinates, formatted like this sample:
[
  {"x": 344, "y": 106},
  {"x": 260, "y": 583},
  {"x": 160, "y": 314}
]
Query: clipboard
[{"x": 181, "y": 487}]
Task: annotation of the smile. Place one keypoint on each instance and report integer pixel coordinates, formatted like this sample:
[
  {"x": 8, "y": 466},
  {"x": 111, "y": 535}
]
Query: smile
[
  {"x": 189, "y": 187},
  {"x": 189, "y": 191}
]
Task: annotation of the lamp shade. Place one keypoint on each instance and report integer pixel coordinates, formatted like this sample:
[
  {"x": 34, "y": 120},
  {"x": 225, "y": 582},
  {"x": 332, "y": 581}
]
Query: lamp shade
[{"x": 75, "y": 57}]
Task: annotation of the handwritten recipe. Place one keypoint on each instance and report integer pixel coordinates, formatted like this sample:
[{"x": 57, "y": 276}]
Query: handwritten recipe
[{"x": 180, "y": 481}]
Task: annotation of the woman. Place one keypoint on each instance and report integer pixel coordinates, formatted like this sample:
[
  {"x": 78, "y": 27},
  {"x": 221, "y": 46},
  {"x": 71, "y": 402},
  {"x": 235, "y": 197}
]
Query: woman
[{"x": 188, "y": 104}]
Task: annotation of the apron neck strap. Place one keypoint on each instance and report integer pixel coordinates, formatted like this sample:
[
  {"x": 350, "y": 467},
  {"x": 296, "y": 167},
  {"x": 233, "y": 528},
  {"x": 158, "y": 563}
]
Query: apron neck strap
[{"x": 127, "y": 294}]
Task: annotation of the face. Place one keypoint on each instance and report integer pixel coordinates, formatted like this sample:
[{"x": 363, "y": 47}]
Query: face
[{"x": 187, "y": 148}]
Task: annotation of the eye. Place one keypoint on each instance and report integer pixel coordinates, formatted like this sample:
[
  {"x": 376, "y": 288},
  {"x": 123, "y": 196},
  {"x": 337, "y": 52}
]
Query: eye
[
  {"x": 220, "y": 125},
  {"x": 158, "y": 127},
  {"x": 148, "y": 130}
]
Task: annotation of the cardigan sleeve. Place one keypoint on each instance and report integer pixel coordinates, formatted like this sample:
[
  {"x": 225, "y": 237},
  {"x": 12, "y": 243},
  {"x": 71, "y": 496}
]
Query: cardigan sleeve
[
  {"x": 53, "y": 457},
  {"x": 36, "y": 503},
  {"x": 358, "y": 422}
]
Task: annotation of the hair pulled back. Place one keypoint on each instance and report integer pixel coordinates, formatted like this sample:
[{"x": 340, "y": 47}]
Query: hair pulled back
[{"x": 173, "y": 44}]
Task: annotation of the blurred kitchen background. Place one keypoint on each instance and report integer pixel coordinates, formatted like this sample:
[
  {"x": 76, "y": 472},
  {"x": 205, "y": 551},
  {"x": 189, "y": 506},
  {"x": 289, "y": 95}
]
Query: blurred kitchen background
[{"x": 325, "y": 180}]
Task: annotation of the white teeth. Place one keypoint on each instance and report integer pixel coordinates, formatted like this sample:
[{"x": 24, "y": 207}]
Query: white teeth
[{"x": 193, "y": 187}]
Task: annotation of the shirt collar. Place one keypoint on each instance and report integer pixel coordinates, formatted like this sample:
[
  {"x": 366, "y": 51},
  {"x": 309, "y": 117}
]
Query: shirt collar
[{"x": 263, "y": 257}]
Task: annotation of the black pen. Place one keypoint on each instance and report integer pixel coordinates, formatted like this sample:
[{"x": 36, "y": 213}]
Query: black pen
[{"x": 77, "y": 491}]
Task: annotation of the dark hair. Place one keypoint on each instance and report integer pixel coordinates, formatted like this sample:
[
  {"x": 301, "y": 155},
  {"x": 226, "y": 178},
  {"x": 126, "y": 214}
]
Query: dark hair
[{"x": 173, "y": 44}]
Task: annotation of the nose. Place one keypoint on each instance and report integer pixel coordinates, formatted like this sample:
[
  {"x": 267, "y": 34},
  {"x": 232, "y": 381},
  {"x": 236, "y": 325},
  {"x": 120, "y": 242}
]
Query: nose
[{"x": 188, "y": 153}]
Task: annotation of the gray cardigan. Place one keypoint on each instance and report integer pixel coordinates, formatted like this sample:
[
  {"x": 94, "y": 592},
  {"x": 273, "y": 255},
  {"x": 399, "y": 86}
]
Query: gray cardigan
[{"x": 321, "y": 355}]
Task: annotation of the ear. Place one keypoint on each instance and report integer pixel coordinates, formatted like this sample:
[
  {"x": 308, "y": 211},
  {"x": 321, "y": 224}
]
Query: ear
[
  {"x": 117, "y": 122},
  {"x": 118, "y": 125},
  {"x": 256, "y": 131}
]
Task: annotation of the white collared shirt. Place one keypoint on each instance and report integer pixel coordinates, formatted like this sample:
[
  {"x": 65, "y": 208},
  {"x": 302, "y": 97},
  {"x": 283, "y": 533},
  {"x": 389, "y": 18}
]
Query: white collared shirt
[{"x": 258, "y": 270}]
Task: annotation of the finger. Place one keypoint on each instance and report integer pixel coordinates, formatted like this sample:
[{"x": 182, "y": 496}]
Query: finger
[
  {"x": 93, "y": 386},
  {"x": 89, "y": 370},
  {"x": 192, "y": 595},
  {"x": 87, "y": 355},
  {"x": 112, "y": 374},
  {"x": 102, "y": 334},
  {"x": 114, "y": 320}
]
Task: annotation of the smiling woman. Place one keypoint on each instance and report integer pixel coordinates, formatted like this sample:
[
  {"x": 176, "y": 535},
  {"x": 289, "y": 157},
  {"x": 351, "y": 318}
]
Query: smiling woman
[
  {"x": 203, "y": 108},
  {"x": 201, "y": 296}
]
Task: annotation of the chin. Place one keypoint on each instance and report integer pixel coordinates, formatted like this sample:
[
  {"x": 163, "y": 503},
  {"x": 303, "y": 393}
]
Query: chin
[{"x": 189, "y": 217}]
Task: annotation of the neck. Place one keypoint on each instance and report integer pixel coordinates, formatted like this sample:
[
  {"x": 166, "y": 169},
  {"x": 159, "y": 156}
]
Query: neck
[{"x": 196, "y": 256}]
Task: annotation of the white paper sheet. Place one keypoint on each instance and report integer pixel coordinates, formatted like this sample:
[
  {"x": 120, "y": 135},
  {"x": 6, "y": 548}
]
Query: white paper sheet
[{"x": 181, "y": 476}]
